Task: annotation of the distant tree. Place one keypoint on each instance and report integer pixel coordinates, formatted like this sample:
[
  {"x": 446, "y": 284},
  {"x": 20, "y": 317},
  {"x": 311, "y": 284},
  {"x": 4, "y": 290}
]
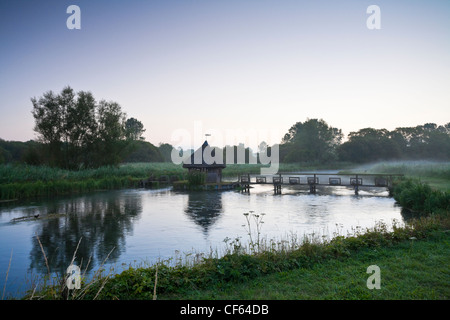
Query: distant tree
[
  {"x": 165, "y": 149},
  {"x": 134, "y": 129},
  {"x": 431, "y": 142},
  {"x": 79, "y": 132},
  {"x": 238, "y": 154},
  {"x": 32, "y": 154},
  {"x": 428, "y": 141},
  {"x": 143, "y": 151},
  {"x": 4, "y": 155},
  {"x": 369, "y": 144},
  {"x": 312, "y": 140}
]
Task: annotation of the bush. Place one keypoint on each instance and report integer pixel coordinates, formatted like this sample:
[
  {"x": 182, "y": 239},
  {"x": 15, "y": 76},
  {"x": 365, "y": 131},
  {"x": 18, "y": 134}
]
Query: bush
[{"x": 420, "y": 197}]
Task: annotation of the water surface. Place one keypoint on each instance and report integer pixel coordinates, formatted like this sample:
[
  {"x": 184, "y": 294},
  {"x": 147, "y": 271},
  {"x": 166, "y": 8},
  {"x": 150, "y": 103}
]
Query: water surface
[{"x": 135, "y": 227}]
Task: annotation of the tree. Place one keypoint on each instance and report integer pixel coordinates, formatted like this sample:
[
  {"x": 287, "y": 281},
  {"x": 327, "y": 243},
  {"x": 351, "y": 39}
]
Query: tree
[
  {"x": 428, "y": 141},
  {"x": 142, "y": 151},
  {"x": 49, "y": 117},
  {"x": 165, "y": 150},
  {"x": 369, "y": 144},
  {"x": 110, "y": 133},
  {"x": 134, "y": 129},
  {"x": 312, "y": 140},
  {"x": 79, "y": 132},
  {"x": 5, "y": 156}
]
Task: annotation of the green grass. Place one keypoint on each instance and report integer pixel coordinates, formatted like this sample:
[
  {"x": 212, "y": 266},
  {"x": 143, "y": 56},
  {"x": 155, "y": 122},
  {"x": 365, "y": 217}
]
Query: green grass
[
  {"x": 19, "y": 181},
  {"x": 436, "y": 174},
  {"x": 24, "y": 181},
  {"x": 410, "y": 269},
  {"x": 25, "y": 173}
]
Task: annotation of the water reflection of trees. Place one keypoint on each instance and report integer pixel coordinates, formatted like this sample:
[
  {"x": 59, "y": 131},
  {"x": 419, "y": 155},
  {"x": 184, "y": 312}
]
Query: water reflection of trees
[
  {"x": 101, "y": 221},
  {"x": 204, "y": 208}
]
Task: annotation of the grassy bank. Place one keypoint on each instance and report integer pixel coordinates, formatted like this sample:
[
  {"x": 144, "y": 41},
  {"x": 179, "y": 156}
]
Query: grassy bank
[
  {"x": 410, "y": 269},
  {"x": 420, "y": 198}
]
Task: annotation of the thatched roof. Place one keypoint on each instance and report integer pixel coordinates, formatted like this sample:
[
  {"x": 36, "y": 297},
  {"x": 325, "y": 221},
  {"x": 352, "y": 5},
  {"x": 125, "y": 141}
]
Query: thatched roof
[{"x": 198, "y": 155}]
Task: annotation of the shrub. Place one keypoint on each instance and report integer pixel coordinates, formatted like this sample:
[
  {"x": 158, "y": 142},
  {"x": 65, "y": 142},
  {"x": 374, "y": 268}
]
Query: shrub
[{"x": 420, "y": 197}]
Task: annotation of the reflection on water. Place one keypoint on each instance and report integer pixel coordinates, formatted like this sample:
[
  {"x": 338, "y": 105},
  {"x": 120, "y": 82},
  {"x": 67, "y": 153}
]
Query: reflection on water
[
  {"x": 204, "y": 208},
  {"x": 101, "y": 221},
  {"x": 146, "y": 225}
]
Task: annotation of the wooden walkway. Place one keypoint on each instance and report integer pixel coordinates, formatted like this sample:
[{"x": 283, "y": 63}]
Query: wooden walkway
[{"x": 313, "y": 180}]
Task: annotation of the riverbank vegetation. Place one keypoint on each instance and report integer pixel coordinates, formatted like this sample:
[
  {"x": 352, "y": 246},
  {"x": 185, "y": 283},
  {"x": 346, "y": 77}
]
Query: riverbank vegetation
[
  {"x": 21, "y": 181},
  {"x": 24, "y": 181}
]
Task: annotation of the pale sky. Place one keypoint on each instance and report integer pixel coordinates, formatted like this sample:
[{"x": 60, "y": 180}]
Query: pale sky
[{"x": 233, "y": 67}]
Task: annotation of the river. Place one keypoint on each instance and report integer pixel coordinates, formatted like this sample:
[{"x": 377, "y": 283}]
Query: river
[{"x": 139, "y": 226}]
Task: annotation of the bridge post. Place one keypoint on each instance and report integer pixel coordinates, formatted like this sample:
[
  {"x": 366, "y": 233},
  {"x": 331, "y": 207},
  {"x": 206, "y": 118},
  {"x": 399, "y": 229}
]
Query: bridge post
[
  {"x": 277, "y": 188},
  {"x": 277, "y": 185},
  {"x": 245, "y": 185},
  {"x": 312, "y": 186}
]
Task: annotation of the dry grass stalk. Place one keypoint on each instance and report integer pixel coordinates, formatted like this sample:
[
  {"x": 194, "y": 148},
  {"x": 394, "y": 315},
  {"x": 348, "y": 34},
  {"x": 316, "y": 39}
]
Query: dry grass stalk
[
  {"x": 7, "y": 273},
  {"x": 96, "y": 275},
  {"x": 45, "y": 256},
  {"x": 156, "y": 281}
]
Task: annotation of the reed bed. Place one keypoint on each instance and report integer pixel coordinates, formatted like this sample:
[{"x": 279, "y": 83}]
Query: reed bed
[
  {"x": 23, "y": 181},
  {"x": 20, "y": 181},
  {"x": 11, "y": 173}
]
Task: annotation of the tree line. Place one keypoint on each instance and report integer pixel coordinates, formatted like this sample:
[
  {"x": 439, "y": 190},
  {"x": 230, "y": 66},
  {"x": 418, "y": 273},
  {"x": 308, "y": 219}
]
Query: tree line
[
  {"x": 315, "y": 141},
  {"x": 75, "y": 131}
]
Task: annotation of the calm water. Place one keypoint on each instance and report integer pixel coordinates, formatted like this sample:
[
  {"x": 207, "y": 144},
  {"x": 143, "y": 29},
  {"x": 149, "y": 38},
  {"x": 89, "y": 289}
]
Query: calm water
[{"x": 142, "y": 226}]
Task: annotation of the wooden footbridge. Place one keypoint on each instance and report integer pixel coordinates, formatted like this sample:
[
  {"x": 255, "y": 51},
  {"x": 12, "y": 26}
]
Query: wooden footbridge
[{"x": 314, "y": 180}]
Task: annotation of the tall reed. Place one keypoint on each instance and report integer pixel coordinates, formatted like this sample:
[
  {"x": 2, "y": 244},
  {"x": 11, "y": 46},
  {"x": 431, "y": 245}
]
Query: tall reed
[
  {"x": 7, "y": 273},
  {"x": 55, "y": 287}
]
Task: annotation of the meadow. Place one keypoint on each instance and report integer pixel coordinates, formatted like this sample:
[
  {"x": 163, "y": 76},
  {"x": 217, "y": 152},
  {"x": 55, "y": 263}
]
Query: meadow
[{"x": 436, "y": 174}]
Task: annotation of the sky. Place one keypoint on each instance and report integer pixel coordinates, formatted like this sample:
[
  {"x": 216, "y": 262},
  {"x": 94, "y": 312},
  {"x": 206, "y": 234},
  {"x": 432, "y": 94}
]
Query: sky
[{"x": 235, "y": 69}]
